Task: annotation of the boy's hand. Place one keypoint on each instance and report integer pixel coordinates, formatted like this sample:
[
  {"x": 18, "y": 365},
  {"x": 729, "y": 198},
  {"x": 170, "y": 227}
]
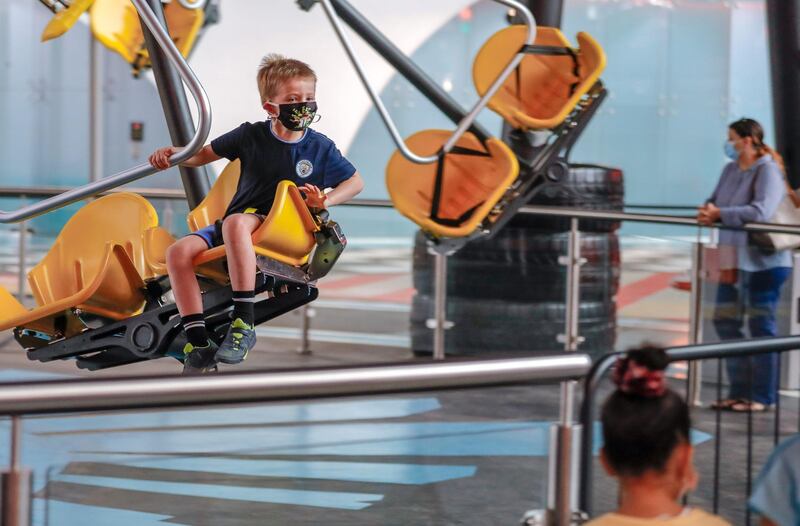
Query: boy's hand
[
  {"x": 315, "y": 198},
  {"x": 160, "y": 158}
]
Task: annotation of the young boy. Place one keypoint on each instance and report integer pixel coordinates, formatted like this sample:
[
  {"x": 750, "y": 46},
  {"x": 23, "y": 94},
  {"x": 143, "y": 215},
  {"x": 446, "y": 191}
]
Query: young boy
[{"x": 283, "y": 147}]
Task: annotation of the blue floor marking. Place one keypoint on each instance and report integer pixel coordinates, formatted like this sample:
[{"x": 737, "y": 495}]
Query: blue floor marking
[
  {"x": 357, "y": 439},
  {"x": 248, "y": 415},
  {"x": 376, "y": 472},
  {"x": 66, "y": 513},
  {"x": 27, "y": 375},
  {"x": 318, "y": 499}
]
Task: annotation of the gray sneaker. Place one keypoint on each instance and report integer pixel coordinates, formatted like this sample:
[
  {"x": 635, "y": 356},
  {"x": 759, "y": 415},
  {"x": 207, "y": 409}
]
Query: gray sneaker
[
  {"x": 199, "y": 360},
  {"x": 240, "y": 339}
]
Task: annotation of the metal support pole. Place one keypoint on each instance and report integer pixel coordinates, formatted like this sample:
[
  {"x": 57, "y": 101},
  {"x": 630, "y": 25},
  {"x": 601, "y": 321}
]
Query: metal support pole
[
  {"x": 305, "y": 342},
  {"x": 96, "y": 120},
  {"x": 176, "y": 109},
  {"x": 439, "y": 322},
  {"x": 565, "y": 465},
  {"x": 783, "y": 22},
  {"x": 564, "y": 437},
  {"x": 22, "y": 273},
  {"x": 573, "y": 261},
  {"x": 15, "y": 509},
  {"x": 695, "y": 376}
]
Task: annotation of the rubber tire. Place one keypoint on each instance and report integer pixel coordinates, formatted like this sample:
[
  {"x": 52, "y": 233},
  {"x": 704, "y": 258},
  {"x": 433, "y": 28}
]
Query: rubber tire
[
  {"x": 522, "y": 265},
  {"x": 491, "y": 326},
  {"x": 586, "y": 186}
]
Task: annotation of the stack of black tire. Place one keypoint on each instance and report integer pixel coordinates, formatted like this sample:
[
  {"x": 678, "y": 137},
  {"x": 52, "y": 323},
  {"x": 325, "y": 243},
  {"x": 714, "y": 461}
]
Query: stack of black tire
[{"x": 507, "y": 294}]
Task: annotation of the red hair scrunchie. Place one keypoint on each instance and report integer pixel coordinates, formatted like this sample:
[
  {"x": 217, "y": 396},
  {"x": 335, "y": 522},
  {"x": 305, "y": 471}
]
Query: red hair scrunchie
[{"x": 636, "y": 379}]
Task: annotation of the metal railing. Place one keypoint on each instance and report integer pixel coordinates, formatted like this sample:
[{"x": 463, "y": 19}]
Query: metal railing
[
  {"x": 75, "y": 396},
  {"x": 691, "y": 353}
]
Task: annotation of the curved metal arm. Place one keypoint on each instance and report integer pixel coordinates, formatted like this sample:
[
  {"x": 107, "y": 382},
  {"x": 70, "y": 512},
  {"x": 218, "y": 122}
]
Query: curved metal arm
[
  {"x": 467, "y": 121},
  {"x": 192, "y": 5},
  {"x": 142, "y": 170}
]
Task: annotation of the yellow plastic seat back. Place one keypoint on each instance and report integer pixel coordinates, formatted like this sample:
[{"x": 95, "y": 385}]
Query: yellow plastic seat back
[
  {"x": 77, "y": 256},
  {"x": 213, "y": 206},
  {"x": 471, "y": 184},
  {"x": 543, "y": 89},
  {"x": 287, "y": 233},
  {"x": 116, "y": 24},
  {"x": 65, "y": 19}
]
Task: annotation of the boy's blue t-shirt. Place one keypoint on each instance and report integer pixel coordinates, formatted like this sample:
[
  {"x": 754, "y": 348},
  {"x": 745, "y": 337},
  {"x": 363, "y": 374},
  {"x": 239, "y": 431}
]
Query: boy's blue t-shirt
[{"x": 267, "y": 160}]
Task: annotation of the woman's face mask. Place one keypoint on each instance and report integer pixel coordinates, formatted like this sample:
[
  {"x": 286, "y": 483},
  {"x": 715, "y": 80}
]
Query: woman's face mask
[
  {"x": 731, "y": 151},
  {"x": 297, "y": 116}
]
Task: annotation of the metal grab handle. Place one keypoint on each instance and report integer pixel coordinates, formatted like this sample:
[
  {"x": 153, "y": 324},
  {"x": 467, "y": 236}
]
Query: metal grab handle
[
  {"x": 143, "y": 170},
  {"x": 468, "y": 119}
]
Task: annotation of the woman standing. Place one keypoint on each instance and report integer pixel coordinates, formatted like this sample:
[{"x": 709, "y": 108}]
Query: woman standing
[{"x": 749, "y": 190}]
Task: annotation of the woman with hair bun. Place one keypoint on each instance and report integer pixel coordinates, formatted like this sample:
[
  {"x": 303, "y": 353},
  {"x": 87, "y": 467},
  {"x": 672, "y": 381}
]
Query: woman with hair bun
[{"x": 646, "y": 447}]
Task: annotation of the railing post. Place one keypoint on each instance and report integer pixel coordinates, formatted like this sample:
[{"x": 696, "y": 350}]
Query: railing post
[
  {"x": 695, "y": 375},
  {"x": 15, "y": 493},
  {"x": 306, "y": 312},
  {"x": 565, "y": 436},
  {"x": 439, "y": 322},
  {"x": 573, "y": 261}
]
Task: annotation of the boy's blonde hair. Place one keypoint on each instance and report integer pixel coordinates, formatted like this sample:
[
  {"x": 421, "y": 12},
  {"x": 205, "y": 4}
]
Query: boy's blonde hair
[{"x": 276, "y": 69}]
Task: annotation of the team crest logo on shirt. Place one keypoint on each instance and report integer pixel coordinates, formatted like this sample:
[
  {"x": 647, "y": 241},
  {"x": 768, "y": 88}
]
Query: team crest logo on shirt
[{"x": 304, "y": 168}]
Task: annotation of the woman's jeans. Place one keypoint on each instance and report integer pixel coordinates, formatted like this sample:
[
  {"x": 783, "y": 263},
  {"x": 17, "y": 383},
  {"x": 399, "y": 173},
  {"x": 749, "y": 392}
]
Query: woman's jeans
[{"x": 755, "y": 296}]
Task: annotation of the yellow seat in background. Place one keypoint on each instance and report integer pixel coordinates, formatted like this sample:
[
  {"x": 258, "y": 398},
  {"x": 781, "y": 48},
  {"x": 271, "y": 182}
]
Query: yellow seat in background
[
  {"x": 470, "y": 182},
  {"x": 116, "y": 24},
  {"x": 544, "y": 89},
  {"x": 65, "y": 19},
  {"x": 96, "y": 265}
]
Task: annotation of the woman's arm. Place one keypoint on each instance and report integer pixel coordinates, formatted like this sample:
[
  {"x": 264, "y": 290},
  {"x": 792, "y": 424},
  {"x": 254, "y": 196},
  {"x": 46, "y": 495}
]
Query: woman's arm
[{"x": 768, "y": 191}]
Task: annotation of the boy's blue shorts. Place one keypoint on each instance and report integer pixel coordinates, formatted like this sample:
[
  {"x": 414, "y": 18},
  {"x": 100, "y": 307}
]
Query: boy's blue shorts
[
  {"x": 208, "y": 234},
  {"x": 212, "y": 234}
]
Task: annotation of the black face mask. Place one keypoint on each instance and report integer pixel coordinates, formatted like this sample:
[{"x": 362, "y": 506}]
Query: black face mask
[{"x": 297, "y": 116}]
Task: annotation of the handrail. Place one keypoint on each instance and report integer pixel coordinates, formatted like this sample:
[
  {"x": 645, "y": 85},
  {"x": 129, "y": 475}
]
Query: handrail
[
  {"x": 467, "y": 121},
  {"x": 551, "y": 211},
  {"x": 704, "y": 351},
  {"x": 72, "y": 396},
  {"x": 557, "y": 211},
  {"x": 142, "y": 170}
]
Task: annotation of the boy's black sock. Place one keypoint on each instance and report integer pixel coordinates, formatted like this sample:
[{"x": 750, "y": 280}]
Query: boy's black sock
[
  {"x": 195, "y": 327},
  {"x": 243, "y": 302}
]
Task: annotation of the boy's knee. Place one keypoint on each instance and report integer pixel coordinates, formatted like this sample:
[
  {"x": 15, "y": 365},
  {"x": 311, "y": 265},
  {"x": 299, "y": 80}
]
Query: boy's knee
[
  {"x": 178, "y": 254},
  {"x": 236, "y": 225}
]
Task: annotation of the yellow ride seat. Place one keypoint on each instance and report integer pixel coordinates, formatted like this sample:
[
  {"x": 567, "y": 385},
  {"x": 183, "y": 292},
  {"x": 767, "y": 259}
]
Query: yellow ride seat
[
  {"x": 116, "y": 24},
  {"x": 287, "y": 233},
  {"x": 96, "y": 265},
  {"x": 545, "y": 88},
  {"x": 473, "y": 179},
  {"x": 65, "y": 19}
]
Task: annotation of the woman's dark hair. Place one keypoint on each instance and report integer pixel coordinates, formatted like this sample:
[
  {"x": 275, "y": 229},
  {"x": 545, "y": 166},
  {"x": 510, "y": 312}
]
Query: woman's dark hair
[
  {"x": 751, "y": 128},
  {"x": 642, "y": 425}
]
